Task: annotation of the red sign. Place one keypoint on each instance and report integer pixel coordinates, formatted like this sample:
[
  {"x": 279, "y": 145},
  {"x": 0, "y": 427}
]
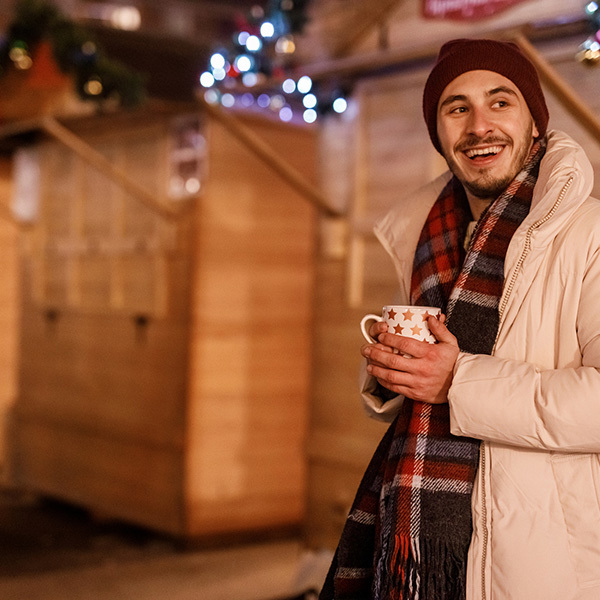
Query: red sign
[{"x": 465, "y": 10}]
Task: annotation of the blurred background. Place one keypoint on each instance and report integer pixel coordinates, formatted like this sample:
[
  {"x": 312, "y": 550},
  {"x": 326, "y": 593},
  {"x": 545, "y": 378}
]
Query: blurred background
[{"x": 187, "y": 192}]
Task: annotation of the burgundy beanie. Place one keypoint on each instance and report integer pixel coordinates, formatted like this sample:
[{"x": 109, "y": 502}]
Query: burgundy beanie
[{"x": 459, "y": 56}]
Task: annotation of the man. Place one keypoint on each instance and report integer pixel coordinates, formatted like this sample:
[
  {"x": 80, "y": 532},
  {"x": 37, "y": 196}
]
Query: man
[{"x": 487, "y": 484}]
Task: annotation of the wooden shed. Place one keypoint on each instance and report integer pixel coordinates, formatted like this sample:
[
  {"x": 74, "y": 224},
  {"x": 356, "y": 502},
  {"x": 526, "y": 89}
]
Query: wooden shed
[{"x": 165, "y": 335}]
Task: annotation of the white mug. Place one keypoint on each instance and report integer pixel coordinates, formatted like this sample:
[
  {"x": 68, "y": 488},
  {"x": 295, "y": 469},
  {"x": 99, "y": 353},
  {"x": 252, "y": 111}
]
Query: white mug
[{"x": 408, "y": 321}]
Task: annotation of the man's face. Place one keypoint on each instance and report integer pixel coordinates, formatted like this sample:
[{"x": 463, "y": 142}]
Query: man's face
[{"x": 485, "y": 130}]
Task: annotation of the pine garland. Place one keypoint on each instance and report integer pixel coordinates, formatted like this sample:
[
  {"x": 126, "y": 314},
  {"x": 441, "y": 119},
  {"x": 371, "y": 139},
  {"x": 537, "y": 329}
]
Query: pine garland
[{"x": 96, "y": 77}]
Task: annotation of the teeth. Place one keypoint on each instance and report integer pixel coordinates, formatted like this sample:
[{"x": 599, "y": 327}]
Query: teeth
[{"x": 482, "y": 151}]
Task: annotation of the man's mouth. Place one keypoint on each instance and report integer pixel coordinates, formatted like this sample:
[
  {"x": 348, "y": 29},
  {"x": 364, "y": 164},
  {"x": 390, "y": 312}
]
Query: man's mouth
[{"x": 488, "y": 152}]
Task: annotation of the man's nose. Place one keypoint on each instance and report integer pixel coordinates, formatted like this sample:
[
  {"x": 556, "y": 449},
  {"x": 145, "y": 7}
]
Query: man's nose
[{"x": 480, "y": 122}]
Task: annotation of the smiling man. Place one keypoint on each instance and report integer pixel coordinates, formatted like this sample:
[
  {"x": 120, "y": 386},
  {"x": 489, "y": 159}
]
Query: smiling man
[{"x": 486, "y": 486}]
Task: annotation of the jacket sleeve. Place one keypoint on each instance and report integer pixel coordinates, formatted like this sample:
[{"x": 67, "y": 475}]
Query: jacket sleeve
[
  {"x": 375, "y": 406},
  {"x": 522, "y": 404}
]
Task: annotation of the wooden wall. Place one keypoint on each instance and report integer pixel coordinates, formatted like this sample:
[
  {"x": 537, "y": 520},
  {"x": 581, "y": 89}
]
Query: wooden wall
[
  {"x": 103, "y": 352},
  {"x": 9, "y": 310},
  {"x": 165, "y": 365},
  {"x": 251, "y": 336}
]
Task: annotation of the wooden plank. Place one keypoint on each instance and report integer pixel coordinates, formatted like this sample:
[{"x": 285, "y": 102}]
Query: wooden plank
[
  {"x": 250, "y": 346},
  {"x": 331, "y": 491},
  {"x": 359, "y": 202},
  {"x": 376, "y": 13},
  {"x": 98, "y": 161},
  {"x": 10, "y": 290},
  {"x": 270, "y": 157},
  {"x": 122, "y": 479}
]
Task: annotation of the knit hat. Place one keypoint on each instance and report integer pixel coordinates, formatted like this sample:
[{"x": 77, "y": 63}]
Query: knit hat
[{"x": 459, "y": 56}]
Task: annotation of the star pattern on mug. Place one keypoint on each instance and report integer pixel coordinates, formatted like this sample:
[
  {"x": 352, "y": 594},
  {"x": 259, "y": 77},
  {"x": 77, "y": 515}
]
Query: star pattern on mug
[
  {"x": 408, "y": 315},
  {"x": 398, "y": 329},
  {"x": 392, "y": 314},
  {"x": 416, "y": 330}
]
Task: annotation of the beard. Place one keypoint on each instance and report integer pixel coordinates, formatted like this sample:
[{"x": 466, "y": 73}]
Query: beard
[{"x": 485, "y": 185}]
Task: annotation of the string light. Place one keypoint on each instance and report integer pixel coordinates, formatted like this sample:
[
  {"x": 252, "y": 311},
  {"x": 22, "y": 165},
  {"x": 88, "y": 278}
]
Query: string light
[
  {"x": 127, "y": 18},
  {"x": 228, "y": 100},
  {"x": 243, "y": 63},
  {"x": 247, "y": 100},
  {"x": 267, "y": 30},
  {"x": 304, "y": 84},
  {"x": 286, "y": 114},
  {"x": 250, "y": 79},
  {"x": 262, "y": 52},
  {"x": 263, "y": 100},
  {"x": 340, "y": 105},
  {"x": 217, "y": 61},
  {"x": 277, "y": 102},
  {"x": 93, "y": 87},
  {"x": 588, "y": 53},
  {"x": 219, "y": 74},
  {"x": 211, "y": 96},
  {"x": 253, "y": 43},
  {"x": 309, "y": 101},
  {"x": 310, "y": 115},
  {"x": 207, "y": 79},
  {"x": 289, "y": 86},
  {"x": 285, "y": 45}
]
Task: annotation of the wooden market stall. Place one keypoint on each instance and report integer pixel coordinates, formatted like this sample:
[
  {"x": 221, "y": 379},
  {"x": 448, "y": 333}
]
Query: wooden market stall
[{"x": 165, "y": 338}]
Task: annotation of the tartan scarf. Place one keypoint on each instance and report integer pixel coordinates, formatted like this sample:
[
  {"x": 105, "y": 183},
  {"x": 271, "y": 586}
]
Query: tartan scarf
[{"x": 408, "y": 532}]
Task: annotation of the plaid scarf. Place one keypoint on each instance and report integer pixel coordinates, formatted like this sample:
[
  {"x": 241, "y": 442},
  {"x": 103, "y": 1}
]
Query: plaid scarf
[{"x": 408, "y": 532}]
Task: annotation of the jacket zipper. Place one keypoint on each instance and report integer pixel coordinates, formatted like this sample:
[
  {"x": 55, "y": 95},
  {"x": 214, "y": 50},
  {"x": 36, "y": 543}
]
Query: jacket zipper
[
  {"x": 483, "y": 518},
  {"x": 501, "y": 309},
  {"x": 527, "y": 248}
]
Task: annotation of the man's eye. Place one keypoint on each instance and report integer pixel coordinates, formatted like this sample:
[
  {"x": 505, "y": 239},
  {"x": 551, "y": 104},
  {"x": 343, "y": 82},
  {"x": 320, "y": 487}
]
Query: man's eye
[
  {"x": 501, "y": 103},
  {"x": 459, "y": 109}
]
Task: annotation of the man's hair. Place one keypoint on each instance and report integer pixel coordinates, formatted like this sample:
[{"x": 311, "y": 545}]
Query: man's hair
[{"x": 459, "y": 56}]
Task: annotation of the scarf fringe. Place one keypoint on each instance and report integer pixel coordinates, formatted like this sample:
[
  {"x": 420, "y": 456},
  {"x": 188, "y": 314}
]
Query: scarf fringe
[{"x": 424, "y": 569}]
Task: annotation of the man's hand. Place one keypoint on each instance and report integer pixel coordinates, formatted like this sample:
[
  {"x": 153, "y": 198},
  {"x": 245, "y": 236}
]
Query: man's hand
[{"x": 426, "y": 375}]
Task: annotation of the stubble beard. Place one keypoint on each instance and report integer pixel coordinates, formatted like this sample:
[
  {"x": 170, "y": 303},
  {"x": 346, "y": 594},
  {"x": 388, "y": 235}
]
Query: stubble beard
[{"x": 485, "y": 185}]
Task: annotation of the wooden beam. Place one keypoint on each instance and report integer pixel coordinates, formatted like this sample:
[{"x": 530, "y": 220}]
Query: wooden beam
[
  {"x": 375, "y": 15},
  {"x": 368, "y": 63},
  {"x": 359, "y": 203},
  {"x": 265, "y": 153},
  {"x": 359, "y": 65},
  {"x": 97, "y": 160},
  {"x": 560, "y": 88}
]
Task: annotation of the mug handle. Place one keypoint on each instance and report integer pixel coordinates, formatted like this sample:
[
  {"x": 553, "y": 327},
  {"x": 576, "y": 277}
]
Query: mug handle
[{"x": 363, "y": 328}]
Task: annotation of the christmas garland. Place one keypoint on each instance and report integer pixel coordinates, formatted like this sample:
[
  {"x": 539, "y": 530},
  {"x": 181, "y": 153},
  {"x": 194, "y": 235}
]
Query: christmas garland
[{"x": 96, "y": 77}]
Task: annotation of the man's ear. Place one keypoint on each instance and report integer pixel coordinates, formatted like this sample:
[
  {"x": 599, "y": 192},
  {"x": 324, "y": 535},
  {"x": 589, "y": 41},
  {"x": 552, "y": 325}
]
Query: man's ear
[{"x": 536, "y": 132}]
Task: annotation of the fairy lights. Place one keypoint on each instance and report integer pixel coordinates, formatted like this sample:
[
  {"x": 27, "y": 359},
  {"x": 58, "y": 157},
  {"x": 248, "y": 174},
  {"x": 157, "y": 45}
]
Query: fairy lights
[
  {"x": 262, "y": 58},
  {"x": 589, "y": 52}
]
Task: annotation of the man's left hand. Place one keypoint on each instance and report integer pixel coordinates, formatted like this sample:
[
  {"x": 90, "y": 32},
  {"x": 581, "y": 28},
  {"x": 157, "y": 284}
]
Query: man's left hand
[{"x": 425, "y": 375}]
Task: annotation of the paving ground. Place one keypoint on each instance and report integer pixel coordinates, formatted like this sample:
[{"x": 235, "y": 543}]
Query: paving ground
[{"x": 54, "y": 551}]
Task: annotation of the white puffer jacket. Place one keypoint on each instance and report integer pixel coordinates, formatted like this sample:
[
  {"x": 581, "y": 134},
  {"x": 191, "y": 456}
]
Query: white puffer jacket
[{"x": 535, "y": 402}]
